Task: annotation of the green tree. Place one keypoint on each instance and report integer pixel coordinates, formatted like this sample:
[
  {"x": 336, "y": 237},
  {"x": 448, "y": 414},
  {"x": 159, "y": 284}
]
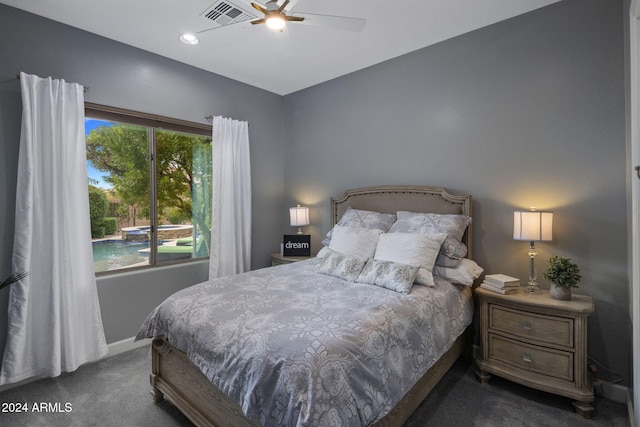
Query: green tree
[
  {"x": 174, "y": 171},
  {"x": 123, "y": 152},
  {"x": 98, "y": 206}
]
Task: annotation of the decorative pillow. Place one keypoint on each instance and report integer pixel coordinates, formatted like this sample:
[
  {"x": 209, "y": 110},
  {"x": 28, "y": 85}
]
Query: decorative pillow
[
  {"x": 465, "y": 273},
  {"x": 356, "y": 241},
  {"x": 347, "y": 267},
  {"x": 363, "y": 219},
  {"x": 416, "y": 249},
  {"x": 323, "y": 252},
  {"x": 389, "y": 275},
  {"x": 429, "y": 223}
]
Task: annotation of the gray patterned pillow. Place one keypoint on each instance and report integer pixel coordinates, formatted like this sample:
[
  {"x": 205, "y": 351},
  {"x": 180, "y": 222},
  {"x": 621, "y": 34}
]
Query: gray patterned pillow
[
  {"x": 390, "y": 275},
  {"x": 363, "y": 219},
  {"x": 430, "y": 223},
  {"x": 445, "y": 261},
  {"x": 347, "y": 267}
]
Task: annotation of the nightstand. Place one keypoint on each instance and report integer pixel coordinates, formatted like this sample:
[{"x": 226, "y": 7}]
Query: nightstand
[
  {"x": 538, "y": 342},
  {"x": 277, "y": 259}
]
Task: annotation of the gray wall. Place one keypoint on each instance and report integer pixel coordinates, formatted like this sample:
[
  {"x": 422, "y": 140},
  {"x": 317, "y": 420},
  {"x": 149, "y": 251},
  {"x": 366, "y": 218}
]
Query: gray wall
[
  {"x": 122, "y": 76},
  {"x": 527, "y": 112}
]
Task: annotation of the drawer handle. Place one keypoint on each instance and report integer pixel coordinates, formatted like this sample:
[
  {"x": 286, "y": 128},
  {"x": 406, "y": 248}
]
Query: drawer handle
[
  {"x": 527, "y": 358},
  {"x": 526, "y": 325}
]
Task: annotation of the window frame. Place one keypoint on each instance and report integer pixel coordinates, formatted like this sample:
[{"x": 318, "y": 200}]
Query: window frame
[{"x": 153, "y": 122}]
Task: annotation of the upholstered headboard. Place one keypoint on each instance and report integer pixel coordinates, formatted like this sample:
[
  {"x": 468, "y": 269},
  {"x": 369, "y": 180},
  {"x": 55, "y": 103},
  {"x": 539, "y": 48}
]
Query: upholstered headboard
[{"x": 412, "y": 198}]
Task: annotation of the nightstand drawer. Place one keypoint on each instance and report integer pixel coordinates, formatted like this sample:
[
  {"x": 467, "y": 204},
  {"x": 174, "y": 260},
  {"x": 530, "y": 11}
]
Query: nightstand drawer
[
  {"x": 548, "y": 329},
  {"x": 553, "y": 363}
]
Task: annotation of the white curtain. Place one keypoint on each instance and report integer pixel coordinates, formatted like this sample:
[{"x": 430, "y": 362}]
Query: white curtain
[
  {"x": 231, "y": 200},
  {"x": 54, "y": 317}
]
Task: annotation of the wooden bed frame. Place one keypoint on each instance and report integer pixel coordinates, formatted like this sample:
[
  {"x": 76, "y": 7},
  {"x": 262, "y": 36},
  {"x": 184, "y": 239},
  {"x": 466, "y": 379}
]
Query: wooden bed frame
[{"x": 175, "y": 377}]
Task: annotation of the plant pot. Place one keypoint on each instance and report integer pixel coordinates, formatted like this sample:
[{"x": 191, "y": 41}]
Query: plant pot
[{"x": 560, "y": 292}]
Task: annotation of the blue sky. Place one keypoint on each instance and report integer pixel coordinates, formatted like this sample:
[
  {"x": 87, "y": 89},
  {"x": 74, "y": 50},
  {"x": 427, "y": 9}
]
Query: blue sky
[{"x": 89, "y": 125}]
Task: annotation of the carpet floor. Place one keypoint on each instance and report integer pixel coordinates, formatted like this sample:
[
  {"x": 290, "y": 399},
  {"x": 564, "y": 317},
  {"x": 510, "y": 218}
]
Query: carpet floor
[{"x": 114, "y": 392}]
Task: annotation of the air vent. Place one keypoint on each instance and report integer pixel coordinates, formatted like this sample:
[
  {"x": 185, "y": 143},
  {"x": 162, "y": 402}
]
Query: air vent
[{"x": 224, "y": 12}]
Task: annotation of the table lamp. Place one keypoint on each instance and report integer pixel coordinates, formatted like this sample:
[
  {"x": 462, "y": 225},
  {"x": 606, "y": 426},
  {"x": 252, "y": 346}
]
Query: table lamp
[
  {"x": 533, "y": 226},
  {"x": 299, "y": 216}
]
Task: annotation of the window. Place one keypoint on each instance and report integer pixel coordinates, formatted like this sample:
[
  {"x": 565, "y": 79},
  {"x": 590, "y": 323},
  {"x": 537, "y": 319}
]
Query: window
[{"x": 149, "y": 188}]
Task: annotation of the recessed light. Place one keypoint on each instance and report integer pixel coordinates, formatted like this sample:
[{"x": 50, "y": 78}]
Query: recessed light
[{"x": 188, "y": 38}]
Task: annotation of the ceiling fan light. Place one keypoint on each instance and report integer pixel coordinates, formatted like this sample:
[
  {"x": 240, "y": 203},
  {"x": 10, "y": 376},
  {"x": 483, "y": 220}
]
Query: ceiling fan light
[
  {"x": 188, "y": 38},
  {"x": 275, "y": 22}
]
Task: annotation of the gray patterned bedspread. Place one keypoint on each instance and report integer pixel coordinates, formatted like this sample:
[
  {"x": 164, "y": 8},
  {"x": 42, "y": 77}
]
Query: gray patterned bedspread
[{"x": 297, "y": 348}]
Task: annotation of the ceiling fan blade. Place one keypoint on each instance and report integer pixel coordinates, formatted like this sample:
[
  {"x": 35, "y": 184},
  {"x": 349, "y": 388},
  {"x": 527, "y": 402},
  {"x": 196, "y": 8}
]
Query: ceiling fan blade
[
  {"x": 290, "y": 5},
  {"x": 294, "y": 18},
  {"x": 259, "y": 8},
  {"x": 342, "y": 23},
  {"x": 259, "y": 21},
  {"x": 286, "y": 2}
]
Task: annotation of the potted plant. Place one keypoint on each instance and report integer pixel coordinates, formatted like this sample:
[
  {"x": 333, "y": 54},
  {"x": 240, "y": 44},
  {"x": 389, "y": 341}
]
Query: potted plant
[{"x": 563, "y": 275}]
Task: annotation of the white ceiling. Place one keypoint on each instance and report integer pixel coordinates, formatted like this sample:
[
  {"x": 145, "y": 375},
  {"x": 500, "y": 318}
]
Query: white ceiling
[{"x": 281, "y": 62}]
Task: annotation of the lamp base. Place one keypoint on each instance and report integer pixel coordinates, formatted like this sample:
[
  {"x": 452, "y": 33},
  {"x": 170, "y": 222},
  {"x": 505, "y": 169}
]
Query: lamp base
[
  {"x": 533, "y": 288},
  {"x": 533, "y": 284}
]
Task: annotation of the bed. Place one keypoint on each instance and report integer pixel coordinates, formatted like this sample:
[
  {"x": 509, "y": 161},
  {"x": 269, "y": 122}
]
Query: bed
[{"x": 335, "y": 372}]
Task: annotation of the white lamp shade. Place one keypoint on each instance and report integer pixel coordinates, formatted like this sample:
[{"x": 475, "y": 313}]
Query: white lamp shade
[
  {"x": 299, "y": 216},
  {"x": 533, "y": 226}
]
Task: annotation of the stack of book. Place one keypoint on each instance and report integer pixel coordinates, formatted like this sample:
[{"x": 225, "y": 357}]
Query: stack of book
[{"x": 500, "y": 283}]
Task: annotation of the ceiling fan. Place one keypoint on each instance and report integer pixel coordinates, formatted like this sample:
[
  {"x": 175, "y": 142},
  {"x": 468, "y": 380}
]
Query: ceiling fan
[
  {"x": 274, "y": 15},
  {"x": 224, "y": 13}
]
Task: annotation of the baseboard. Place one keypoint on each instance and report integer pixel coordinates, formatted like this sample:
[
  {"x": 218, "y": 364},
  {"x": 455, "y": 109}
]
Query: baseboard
[
  {"x": 115, "y": 348},
  {"x": 611, "y": 391},
  {"x": 125, "y": 345},
  {"x": 6, "y": 387}
]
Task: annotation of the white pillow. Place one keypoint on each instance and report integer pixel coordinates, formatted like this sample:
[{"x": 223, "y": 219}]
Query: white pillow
[
  {"x": 389, "y": 275},
  {"x": 464, "y": 273},
  {"x": 355, "y": 241},
  {"x": 419, "y": 250}
]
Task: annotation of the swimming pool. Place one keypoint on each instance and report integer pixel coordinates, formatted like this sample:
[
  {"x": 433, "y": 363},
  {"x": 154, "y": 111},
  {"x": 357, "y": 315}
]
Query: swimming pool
[{"x": 115, "y": 254}]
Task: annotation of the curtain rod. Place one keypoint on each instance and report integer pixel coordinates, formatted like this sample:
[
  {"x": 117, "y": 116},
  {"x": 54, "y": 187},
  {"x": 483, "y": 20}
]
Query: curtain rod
[
  {"x": 210, "y": 119},
  {"x": 85, "y": 89}
]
